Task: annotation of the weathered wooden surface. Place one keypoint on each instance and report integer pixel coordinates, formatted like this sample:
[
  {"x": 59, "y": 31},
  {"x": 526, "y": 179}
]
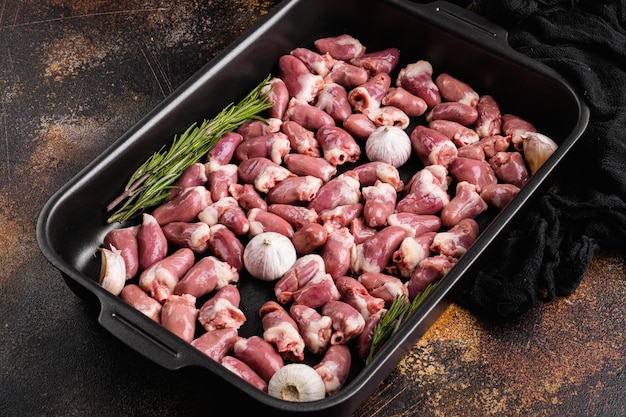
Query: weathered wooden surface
[{"x": 76, "y": 75}]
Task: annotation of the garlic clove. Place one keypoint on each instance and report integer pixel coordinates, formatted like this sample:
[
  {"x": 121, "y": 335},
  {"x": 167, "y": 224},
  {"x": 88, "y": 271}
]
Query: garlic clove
[
  {"x": 112, "y": 270},
  {"x": 297, "y": 382},
  {"x": 388, "y": 144},
  {"x": 268, "y": 255},
  {"x": 537, "y": 149}
]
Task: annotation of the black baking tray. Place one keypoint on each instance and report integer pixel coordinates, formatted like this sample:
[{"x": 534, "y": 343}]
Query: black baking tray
[{"x": 73, "y": 222}]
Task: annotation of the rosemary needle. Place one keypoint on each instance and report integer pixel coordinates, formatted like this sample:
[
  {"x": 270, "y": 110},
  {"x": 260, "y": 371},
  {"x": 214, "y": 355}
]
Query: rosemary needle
[
  {"x": 151, "y": 183},
  {"x": 393, "y": 318}
]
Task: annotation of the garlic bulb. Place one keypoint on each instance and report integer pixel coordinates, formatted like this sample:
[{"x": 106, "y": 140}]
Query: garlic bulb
[
  {"x": 537, "y": 149},
  {"x": 268, "y": 255},
  {"x": 112, "y": 270},
  {"x": 296, "y": 382},
  {"x": 388, "y": 144}
]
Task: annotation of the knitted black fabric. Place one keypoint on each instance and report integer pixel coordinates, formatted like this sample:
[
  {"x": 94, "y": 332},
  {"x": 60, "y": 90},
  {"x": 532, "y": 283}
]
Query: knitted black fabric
[{"x": 585, "y": 41}]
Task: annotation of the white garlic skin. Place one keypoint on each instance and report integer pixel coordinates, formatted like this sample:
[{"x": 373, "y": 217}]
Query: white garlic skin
[
  {"x": 537, "y": 148},
  {"x": 112, "y": 270},
  {"x": 388, "y": 144},
  {"x": 297, "y": 382},
  {"x": 268, "y": 255}
]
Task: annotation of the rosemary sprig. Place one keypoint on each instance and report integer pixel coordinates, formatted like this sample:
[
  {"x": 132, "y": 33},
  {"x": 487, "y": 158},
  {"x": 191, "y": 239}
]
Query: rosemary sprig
[
  {"x": 151, "y": 183},
  {"x": 393, "y": 318}
]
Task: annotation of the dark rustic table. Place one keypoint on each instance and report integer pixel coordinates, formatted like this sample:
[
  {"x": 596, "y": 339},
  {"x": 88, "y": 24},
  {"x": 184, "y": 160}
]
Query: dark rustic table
[{"x": 76, "y": 75}]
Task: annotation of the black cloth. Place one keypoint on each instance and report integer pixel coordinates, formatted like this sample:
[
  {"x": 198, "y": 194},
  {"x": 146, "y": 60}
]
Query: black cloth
[{"x": 547, "y": 256}]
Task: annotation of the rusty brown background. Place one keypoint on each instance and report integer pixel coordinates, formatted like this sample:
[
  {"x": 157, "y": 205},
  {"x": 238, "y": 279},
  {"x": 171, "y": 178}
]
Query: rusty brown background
[{"x": 74, "y": 76}]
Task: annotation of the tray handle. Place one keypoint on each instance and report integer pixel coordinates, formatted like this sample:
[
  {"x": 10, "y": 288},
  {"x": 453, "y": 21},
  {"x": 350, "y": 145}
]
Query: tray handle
[
  {"x": 465, "y": 22},
  {"x": 143, "y": 338}
]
